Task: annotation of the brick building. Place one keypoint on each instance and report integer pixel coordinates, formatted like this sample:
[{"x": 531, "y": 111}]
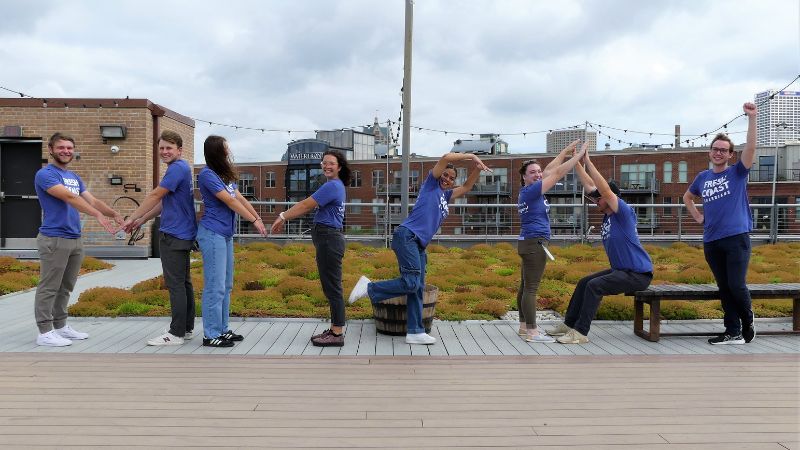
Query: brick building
[
  {"x": 117, "y": 141},
  {"x": 647, "y": 177}
]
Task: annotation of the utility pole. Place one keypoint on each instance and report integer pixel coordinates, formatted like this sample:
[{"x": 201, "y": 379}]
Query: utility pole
[{"x": 406, "y": 168}]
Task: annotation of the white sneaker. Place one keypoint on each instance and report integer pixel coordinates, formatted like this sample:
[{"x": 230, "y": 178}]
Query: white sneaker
[
  {"x": 166, "y": 339},
  {"x": 420, "y": 338},
  {"x": 541, "y": 337},
  {"x": 52, "y": 339},
  {"x": 69, "y": 333},
  {"x": 560, "y": 329},
  {"x": 360, "y": 289},
  {"x": 188, "y": 335}
]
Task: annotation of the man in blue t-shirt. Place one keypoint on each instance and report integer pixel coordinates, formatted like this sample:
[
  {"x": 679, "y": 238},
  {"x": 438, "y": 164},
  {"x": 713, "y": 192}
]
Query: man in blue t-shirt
[
  {"x": 631, "y": 268},
  {"x": 727, "y": 222},
  {"x": 62, "y": 196},
  {"x": 173, "y": 199}
]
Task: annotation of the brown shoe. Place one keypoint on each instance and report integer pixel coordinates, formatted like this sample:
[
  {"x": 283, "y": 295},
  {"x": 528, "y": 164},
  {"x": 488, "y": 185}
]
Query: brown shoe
[
  {"x": 328, "y": 340},
  {"x": 324, "y": 333}
]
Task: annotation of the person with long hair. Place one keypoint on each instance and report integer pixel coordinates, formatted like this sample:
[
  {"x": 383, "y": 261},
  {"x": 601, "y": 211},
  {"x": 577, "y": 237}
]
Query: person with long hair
[
  {"x": 412, "y": 237},
  {"x": 328, "y": 239},
  {"x": 221, "y": 202},
  {"x": 727, "y": 221},
  {"x": 534, "y": 233}
]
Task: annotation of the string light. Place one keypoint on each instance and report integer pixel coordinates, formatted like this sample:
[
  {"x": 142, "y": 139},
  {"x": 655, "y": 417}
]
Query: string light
[{"x": 595, "y": 126}]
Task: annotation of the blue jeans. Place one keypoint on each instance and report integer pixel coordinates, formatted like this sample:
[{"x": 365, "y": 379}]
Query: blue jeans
[
  {"x": 590, "y": 290},
  {"x": 411, "y": 259},
  {"x": 217, "y": 253},
  {"x": 728, "y": 259}
]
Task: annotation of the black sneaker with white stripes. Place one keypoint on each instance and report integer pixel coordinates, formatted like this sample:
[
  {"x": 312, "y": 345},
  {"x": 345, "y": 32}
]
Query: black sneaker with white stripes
[
  {"x": 219, "y": 341},
  {"x": 726, "y": 339},
  {"x": 231, "y": 336}
]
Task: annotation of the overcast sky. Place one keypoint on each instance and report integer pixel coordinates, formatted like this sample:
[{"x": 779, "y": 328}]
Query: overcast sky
[{"x": 478, "y": 66}]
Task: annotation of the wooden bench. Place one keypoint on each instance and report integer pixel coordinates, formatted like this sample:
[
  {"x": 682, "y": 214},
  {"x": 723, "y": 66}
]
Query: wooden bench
[{"x": 655, "y": 293}]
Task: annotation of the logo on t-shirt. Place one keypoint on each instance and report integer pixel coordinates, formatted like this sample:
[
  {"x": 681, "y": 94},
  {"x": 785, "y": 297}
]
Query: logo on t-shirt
[
  {"x": 443, "y": 206},
  {"x": 72, "y": 185},
  {"x": 716, "y": 189},
  {"x": 522, "y": 207},
  {"x": 605, "y": 229},
  {"x": 231, "y": 188}
]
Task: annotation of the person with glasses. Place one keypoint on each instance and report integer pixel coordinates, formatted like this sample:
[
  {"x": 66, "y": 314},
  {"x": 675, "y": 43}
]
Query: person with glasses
[
  {"x": 328, "y": 239},
  {"x": 221, "y": 202},
  {"x": 413, "y": 235},
  {"x": 535, "y": 233},
  {"x": 727, "y": 222},
  {"x": 631, "y": 267}
]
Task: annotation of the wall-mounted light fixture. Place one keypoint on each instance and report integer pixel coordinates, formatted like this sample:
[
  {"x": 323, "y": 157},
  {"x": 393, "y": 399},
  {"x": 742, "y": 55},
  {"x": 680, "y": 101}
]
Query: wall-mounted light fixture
[
  {"x": 112, "y": 131},
  {"x": 115, "y": 180}
]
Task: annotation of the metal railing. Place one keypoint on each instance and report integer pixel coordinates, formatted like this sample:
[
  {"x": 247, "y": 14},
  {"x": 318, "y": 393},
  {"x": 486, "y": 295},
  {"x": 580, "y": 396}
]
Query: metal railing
[{"x": 500, "y": 222}]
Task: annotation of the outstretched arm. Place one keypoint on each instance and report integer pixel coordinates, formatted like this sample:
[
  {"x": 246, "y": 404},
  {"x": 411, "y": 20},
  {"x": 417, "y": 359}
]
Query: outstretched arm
[
  {"x": 749, "y": 152},
  {"x": 558, "y": 160},
  {"x": 452, "y": 158},
  {"x": 601, "y": 184},
  {"x": 82, "y": 204},
  {"x": 556, "y": 173},
  {"x": 297, "y": 210}
]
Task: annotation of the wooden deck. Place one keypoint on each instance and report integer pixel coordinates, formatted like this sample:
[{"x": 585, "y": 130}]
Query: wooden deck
[{"x": 590, "y": 402}]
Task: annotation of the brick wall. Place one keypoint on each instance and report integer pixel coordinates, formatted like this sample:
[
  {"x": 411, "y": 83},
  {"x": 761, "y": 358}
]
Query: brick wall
[{"x": 133, "y": 162}]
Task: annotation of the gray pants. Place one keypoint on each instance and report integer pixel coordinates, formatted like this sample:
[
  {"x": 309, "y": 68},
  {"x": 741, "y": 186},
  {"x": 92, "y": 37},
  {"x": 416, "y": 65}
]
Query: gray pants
[
  {"x": 533, "y": 261},
  {"x": 59, "y": 264}
]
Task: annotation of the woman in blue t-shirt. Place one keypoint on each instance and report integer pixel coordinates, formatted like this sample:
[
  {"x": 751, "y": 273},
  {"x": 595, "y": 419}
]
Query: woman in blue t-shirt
[
  {"x": 221, "y": 202},
  {"x": 328, "y": 239},
  {"x": 535, "y": 233},
  {"x": 411, "y": 238}
]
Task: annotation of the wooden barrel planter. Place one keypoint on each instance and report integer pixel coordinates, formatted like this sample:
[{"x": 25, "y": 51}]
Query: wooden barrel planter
[{"x": 390, "y": 315}]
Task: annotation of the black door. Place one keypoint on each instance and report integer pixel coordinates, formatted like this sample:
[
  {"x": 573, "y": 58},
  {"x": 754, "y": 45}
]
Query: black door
[{"x": 20, "y": 213}]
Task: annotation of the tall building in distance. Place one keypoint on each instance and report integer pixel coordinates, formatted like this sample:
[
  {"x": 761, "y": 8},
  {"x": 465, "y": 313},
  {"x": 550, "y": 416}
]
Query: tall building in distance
[
  {"x": 778, "y": 120},
  {"x": 557, "y": 140}
]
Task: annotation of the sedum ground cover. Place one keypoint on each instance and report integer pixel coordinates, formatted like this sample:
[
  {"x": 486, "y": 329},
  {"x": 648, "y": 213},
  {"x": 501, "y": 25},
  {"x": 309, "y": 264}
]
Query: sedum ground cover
[
  {"x": 476, "y": 283},
  {"x": 17, "y": 275}
]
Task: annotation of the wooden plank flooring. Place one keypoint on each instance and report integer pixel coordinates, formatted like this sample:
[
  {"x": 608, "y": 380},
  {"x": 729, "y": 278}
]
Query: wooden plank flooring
[{"x": 735, "y": 401}]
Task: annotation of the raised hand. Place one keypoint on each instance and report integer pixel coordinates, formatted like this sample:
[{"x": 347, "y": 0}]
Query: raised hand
[{"x": 750, "y": 109}]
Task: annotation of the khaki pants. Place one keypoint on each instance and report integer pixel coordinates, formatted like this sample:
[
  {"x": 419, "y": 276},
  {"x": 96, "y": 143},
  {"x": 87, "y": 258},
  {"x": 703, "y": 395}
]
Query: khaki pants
[{"x": 59, "y": 264}]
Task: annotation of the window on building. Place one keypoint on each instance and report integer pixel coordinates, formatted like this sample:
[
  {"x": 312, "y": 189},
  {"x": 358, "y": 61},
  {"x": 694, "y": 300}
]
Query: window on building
[
  {"x": 378, "y": 209},
  {"x": 413, "y": 179},
  {"x": 668, "y": 210},
  {"x": 667, "y": 172},
  {"x": 458, "y": 201},
  {"x": 246, "y": 185},
  {"x": 797, "y": 210},
  {"x": 378, "y": 178},
  {"x": 766, "y": 168},
  {"x": 315, "y": 178},
  {"x": 270, "y": 207},
  {"x": 197, "y": 181},
  {"x": 269, "y": 179},
  {"x": 297, "y": 180},
  {"x": 637, "y": 176},
  {"x": 683, "y": 170},
  {"x": 355, "y": 178},
  {"x": 354, "y": 209},
  {"x": 461, "y": 175}
]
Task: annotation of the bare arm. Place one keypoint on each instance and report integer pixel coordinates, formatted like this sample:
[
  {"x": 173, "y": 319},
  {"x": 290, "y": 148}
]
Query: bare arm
[
  {"x": 258, "y": 223},
  {"x": 601, "y": 185},
  {"x": 558, "y": 160},
  {"x": 586, "y": 180},
  {"x": 152, "y": 200},
  {"x": 688, "y": 200},
  {"x": 102, "y": 207},
  {"x": 470, "y": 181},
  {"x": 81, "y": 204},
  {"x": 297, "y": 210},
  {"x": 451, "y": 158},
  {"x": 749, "y": 152},
  {"x": 556, "y": 173}
]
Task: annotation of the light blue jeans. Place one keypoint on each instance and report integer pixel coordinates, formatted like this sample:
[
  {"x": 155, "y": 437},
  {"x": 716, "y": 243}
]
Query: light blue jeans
[
  {"x": 217, "y": 253},
  {"x": 412, "y": 259}
]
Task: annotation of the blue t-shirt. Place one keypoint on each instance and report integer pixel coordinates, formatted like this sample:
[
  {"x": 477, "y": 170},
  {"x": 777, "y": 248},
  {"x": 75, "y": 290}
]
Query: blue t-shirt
[
  {"x": 726, "y": 210},
  {"x": 533, "y": 209},
  {"x": 429, "y": 211},
  {"x": 217, "y": 217},
  {"x": 621, "y": 241},
  {"x": 60, "y": 218},
  {"x": 177, "y": 207},
  {"x": 330, "y": 201}
]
